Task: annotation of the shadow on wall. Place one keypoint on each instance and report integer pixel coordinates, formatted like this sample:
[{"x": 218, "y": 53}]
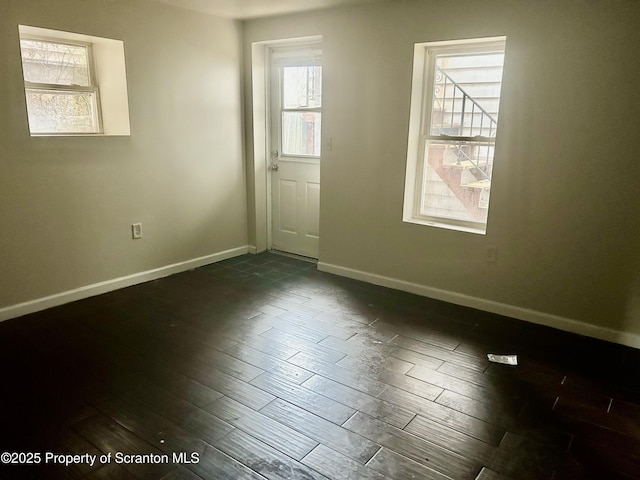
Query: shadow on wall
[{"x": 631, "y": 315}]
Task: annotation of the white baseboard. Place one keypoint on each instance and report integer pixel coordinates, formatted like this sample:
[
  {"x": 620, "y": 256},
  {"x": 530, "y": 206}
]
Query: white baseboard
[
  {"x": 252, "y": 249},
  {"x": 43, "y": 303},
  {"x": 533, "y": 316}
]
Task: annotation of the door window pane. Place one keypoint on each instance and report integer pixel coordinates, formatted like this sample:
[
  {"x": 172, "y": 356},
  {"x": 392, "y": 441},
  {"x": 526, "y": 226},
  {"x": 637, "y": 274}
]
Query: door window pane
[
  {"x": 302, "y": 87},
  {"x": 301, "y": 133}
]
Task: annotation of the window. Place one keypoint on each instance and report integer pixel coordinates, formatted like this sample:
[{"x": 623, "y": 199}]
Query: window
[
  {"x": 455, "y": 103},
  {"x": 59, "y": 87},
  {"x": 296, "y": 98},
  {"x": 74, "y": 84},
  {"x": 301, "y": 117}
]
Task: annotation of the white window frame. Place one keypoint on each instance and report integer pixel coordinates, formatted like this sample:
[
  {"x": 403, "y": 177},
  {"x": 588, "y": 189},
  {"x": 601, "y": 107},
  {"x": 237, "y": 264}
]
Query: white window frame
[
  {"x": 289, "y": 56},
  {"x": 91, "y": 88},
  {"x": 108, "y": 71},
  {"x": 420, "y": 129}
]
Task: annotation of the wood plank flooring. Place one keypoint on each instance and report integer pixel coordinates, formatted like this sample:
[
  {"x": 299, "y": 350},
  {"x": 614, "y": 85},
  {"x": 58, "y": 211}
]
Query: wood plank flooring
[{"x": 262, "y": 367}]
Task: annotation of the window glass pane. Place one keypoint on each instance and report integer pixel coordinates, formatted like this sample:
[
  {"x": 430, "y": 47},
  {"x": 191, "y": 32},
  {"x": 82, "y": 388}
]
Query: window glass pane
[
  {"x": 302, "y": 87},
  {"x": 53, "y": 111},
  {"x": 301, "y": 133},
  {"x": 466, "y": 94},
  {"x": 457, "y": 180},
  {"x": 54, "y": 63}
]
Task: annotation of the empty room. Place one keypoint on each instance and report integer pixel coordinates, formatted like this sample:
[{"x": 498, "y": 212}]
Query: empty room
[{"x": 319, "y": 239}]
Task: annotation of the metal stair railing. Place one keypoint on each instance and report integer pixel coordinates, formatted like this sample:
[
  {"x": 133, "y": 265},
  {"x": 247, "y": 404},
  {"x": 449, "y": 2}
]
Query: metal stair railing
[
  {"x": 475, "y": 108},
  {"x": 464, "y": 97}
]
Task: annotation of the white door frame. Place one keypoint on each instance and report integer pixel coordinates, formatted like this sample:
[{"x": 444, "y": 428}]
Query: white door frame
[{"x": 261, "y": 126}]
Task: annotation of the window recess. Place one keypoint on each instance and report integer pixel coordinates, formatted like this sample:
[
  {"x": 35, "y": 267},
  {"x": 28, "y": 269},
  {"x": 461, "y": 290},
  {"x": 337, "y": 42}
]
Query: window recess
[
  {"x": 75, "y": 84},
  {"x": 452, "y": 134}
]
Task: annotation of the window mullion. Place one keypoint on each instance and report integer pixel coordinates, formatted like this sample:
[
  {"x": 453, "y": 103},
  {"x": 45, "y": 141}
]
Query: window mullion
[
  {"x": 303, "y": 110},
  {"x": 58, "y": 87},
  {"x": 457, "y": 138}
]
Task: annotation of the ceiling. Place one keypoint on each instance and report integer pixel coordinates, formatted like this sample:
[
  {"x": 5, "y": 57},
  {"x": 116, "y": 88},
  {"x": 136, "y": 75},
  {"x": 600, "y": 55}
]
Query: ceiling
[{"x": 241, "y": 9}]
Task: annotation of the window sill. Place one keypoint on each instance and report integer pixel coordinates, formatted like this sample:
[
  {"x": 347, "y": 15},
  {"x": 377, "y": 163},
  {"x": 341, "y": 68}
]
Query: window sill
[
  {"x": 65, "y": 135},
  {"x": 448, "y": 226}
]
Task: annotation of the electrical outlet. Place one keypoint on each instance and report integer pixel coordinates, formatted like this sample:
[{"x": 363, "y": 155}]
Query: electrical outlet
[
  {"x": 136, "y": 230},
  {"x": 492, "y": 254}
]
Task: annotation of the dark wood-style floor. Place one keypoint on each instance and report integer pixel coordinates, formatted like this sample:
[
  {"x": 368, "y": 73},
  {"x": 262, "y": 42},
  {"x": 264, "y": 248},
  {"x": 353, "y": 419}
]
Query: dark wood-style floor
[{"x": 265, "y": 367}]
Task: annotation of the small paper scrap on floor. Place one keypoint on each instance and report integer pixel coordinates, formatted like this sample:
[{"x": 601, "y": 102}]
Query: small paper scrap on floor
[{"x": 504, "y": 359}]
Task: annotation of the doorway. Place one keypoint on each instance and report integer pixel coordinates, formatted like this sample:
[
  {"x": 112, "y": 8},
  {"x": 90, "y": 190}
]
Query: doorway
[{"x": 294, "y": 136}]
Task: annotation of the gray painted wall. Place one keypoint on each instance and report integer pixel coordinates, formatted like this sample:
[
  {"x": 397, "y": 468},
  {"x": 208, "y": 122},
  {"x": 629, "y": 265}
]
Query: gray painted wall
[
  {"x": 67, "y": 204},
  {"x": 564, "y": 208}
]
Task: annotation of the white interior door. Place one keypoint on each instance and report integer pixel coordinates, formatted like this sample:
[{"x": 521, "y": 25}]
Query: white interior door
[{"x": 296, "y": 104}]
